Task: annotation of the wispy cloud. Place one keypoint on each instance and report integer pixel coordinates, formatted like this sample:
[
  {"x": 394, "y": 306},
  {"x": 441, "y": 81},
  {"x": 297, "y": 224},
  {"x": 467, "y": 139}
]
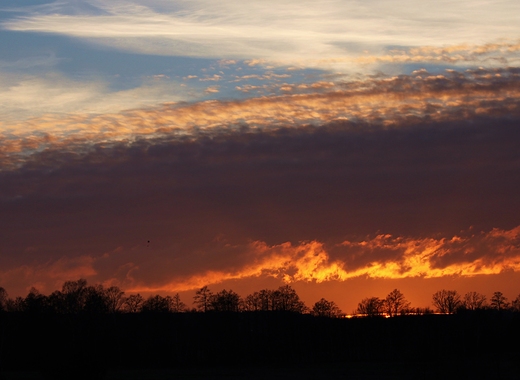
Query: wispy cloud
[
  {"x": 23, "y": 96},
  {"x": 288, "y": 32},
  {"x": 41, "y": 61},
  {"x": 48, "y": 276}
]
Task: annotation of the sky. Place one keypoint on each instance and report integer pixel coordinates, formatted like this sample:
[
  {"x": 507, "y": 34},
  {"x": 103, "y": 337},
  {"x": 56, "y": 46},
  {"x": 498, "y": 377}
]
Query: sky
[{"x": 346, "y": 148}]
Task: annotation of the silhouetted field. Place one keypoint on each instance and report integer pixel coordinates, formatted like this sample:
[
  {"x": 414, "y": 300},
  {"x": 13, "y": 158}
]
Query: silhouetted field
[{"x": 256, "y": 345}]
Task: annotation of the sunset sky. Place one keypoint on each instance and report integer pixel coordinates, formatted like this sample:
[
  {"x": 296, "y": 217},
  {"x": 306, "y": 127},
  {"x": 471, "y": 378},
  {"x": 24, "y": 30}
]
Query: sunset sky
[{"x": 346, "y": 148}]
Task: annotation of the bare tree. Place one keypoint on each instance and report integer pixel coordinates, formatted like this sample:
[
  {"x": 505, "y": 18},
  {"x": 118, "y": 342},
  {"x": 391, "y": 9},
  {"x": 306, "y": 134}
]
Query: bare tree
[
  {"x": 226, "y": 300},
  {"x": 498, "y": 301},
  {"x": 176, "y": 305},
  {"x": 446, "y": 301},
  {"x": 265, "y": 297},
  {"x": 324, "y": 308},
  {"x": 133, "y": 303},
  {"x": 156, "y": 304},
  {"x": 202, "y": 299},
  {"x": 370, "y": 307},
  {"x": 56, "y": 302},
  {"x": 3, "y": 299},
  {"x": 115, "y": 298},
  {"x": 421, "y": 310},
  {"x": 473, "y": 301},
  {"x": 395, "y": 303},
  {"x": 15, "y": 305},
  {"x": 95, "y": 300},
  {"x": 286, "y": 299},
  {"x": 35, "y": 302},
  {"x": 515, "y": 305},
  {"x": 252, "y": 302},
  {"x": 74, "y": 295}
]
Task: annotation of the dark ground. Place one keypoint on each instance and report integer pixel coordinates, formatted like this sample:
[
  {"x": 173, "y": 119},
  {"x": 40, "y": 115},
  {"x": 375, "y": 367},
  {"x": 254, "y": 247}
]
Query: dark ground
[{"x": 270, "y": 345}]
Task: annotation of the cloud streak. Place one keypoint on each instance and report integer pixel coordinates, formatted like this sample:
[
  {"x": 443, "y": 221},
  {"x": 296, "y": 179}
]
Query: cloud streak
[
  {"x": 290, "y": 32},
  {"x": 33, "y": 96}
]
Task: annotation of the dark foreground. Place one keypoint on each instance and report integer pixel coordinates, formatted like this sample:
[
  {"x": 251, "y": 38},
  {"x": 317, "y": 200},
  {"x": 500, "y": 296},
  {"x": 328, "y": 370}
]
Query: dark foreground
[{"x": 479, "y": 345}]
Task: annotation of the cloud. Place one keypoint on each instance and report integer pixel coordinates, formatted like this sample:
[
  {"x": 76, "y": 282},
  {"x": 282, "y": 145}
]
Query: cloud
[
  {"x": 272, "y": 185},
  {"x": 491, "y": 54},
  {"x": 47, "y": 276},
  {"x": 289, "y": 32},
  {"x": 373, "y": 177},
  {"x": 53, "y": 93},
  {"x": 381, "y": 101},
  {"x": 384, "y": 256},
  {"x": 212, "y": 89},
  {"x": 43, "y": 61}
]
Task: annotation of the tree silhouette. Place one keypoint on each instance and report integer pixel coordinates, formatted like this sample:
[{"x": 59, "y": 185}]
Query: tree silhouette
[
  {"x": 421, "y": 310},
  {"x": 252, "y": 302},
  {"x": 515, "y": 305},
  {"x": 15, "y": 305},
  {"x": 202, "y": 299},
  {"x": 473, "y": 301},
  {"x": 56, "y": 302},
  {"x": 286, "y": 299},
  {"x": 324, "y": 308},
  {"x": 133, "y": 303},
  {"x": 115, "y": 298},
  {"x": 3, "y": 299},
  {"x": 446, "y": 301},
  {"x": 74, "y": 295},
  {"x": 156, "y": 304},
  {"x": 35, "y": 302},
  {"x": 395, "y": 303},
  {"x": 259, "y": 301},
  {"x": 176, "y": 305},
  {"x": 498, "y": 301},
  {"x": 95, "y": 300},
  {"x": 265, "y": 299},
  {"x": 371, "y": 306},
  {"x": 225, "y": 301}
]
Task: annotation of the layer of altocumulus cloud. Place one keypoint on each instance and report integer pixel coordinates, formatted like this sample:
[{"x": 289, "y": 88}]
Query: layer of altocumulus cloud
[
  {"x": 289, "y": 31},
  {"x": 50, "y": 76},
  {"x": 300, "y": 203}
]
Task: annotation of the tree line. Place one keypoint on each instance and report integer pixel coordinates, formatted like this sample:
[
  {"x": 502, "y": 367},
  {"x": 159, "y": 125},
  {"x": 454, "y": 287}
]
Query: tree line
[
  {"x": 444, "y": 302},
  {"x": 78, "y": 296}
]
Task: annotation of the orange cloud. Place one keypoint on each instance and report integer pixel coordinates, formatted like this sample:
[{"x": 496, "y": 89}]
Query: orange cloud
[
  {"x": 310, "y": 261},
  {"x": 381, "y": 257},
  {"x": 49, "y": 276}
]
